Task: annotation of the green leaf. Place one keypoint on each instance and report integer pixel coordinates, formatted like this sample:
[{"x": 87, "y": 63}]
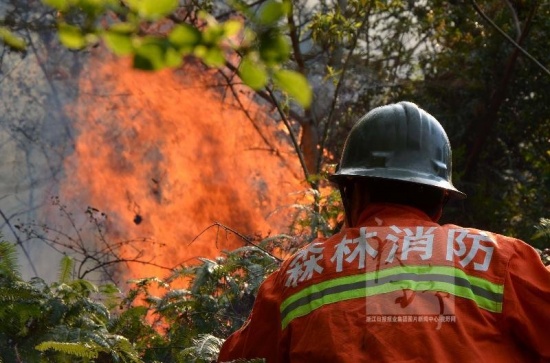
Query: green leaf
[
  {"x": 60, "y": 5},
  {"x": 185, "y": 37},
  {"x": 11, "y": 39},
  {"x": 149, "y": 58},
  {"x": 153, "y": 9},
  {"x": 71, "y": 36},
  {"x": 84, "y": 286},
  {"x": 232, "y": 27},
  {"x": 155, "y": 54},
  {"x": 212, "y": 56},
  {"x": 271, "y": 12},
  {"x": 295, "y": 84},
  {"x": 119, "y": 43},
  {"x": 173, "y": 58},
  {"x": 213, "y": 34},
  {"x": 252, "y": 73},
  {"x": 124, "y": 27},
  {"x": 274, "y": 48},
  {"x": 92, "y": 8}
]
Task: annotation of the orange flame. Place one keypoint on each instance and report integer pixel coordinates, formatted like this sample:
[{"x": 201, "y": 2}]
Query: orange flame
[{"x": 166, "y": 154}]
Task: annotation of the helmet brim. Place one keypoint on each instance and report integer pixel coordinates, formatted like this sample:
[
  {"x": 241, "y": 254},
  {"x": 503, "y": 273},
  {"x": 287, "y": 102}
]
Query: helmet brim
[{"x": 396, "y": 174}]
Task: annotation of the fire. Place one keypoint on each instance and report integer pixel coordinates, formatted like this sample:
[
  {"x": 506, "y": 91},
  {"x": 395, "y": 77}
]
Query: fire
[{"x": 166, "y": 154}]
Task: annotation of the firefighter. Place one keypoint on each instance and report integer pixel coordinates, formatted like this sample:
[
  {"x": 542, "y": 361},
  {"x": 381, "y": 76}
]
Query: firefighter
[{"x": 394, "y": 285}]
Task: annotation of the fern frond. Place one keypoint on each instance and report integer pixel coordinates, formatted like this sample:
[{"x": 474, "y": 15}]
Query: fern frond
[
  {"x": 65, "y": 270},
  {"x": 206, "y": 347},
  {"x": 97, "y": 310},
  {"x": 101, "y": 339},
  {"x": 176, "y": 294},
  {"x": 149, "y": 281},
  {"x": 84, "y": 286},
  {"x": 110, "y": 295},
  {"x": 123, "y": 347},
  {"x": 17, "y": 292},
  {"x": 82, "y": 350},
  {"x": 9, "y": 267}
]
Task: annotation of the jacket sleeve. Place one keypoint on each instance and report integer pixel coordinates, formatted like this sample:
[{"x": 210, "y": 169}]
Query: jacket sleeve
[
  {"x": 260, "y": 336},
  {"x": 527, "y": 301}
]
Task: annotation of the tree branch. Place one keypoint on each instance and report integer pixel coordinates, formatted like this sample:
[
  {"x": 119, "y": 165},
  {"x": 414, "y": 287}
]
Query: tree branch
[
  {"x": 19, "y": 242},
  {"x": 490, "y": 116},
  {"x": 521, "y": 36},
  {"x": 347, "y": 62},
  {"x": 241, "y": 236}
]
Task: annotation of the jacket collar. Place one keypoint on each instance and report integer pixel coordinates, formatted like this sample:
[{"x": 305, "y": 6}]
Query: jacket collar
[{"x": 388, "y": 212}]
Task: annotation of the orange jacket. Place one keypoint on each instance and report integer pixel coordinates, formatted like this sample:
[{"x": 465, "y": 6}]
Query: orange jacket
[{"x": 401, "y": 288}]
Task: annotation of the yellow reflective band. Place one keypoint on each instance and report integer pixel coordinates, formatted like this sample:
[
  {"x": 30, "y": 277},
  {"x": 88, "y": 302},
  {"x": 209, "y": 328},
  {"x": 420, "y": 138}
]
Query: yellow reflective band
[{"x": 487, "y": 295}]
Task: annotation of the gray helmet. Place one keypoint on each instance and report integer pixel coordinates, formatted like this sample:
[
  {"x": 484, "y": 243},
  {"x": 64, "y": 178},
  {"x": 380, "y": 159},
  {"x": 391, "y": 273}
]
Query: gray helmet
[{"x": 400, "y": 142}]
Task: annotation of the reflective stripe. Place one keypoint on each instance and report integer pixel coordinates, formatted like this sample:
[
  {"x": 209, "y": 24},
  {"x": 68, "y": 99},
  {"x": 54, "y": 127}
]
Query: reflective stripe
[{"x": 485, "y": 294}]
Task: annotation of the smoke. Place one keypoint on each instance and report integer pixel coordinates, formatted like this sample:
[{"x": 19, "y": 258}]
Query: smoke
[{"x": 35, "y": 138}]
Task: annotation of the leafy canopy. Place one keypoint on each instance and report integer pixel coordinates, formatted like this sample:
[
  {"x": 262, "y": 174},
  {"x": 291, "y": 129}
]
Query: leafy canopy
[{"x": 160, "y": 34}]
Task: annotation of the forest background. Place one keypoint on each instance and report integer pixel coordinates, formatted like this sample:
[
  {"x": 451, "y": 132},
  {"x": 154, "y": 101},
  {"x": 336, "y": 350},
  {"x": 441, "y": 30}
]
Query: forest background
[{"x": 141, "y": 214}]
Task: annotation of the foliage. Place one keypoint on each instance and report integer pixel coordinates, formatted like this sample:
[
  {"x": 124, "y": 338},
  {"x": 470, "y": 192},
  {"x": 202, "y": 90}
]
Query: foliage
[
  {"x": 181, "y": 318},
  {"x": 160, "y": 34},
  {"x": 320, "y": 215},
  {"x": 62, "y": 322},
  {"x": 194, "y": 305},
  {"x": 488, "y": 96},
  {"x": 205, "y": 348}
]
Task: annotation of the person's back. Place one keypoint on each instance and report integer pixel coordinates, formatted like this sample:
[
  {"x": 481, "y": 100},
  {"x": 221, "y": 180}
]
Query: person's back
[{"x": 396, "y": 286}]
